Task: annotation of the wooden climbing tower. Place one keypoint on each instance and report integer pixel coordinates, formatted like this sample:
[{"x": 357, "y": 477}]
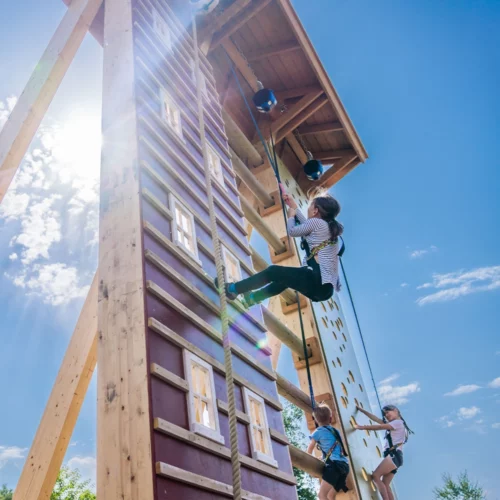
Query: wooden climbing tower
[{"x": 153, "y": 320}]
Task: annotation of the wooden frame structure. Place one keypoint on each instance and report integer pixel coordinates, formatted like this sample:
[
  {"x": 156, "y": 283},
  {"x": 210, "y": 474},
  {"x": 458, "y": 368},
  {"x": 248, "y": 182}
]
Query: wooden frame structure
[{"x": 147, "y": 281}]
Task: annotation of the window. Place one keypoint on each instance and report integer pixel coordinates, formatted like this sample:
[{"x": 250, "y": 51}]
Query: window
[
  {"x": 183, "y": 228},
  {"x": 170, "y": 112},
  {"x": 203, "y": 78},
  {"x": 259, "y": 430},
  {"x": 161, "y": 29},
  {"x": 203, "y": 416},
  {"x": 214, "y": 163},
  {"x": 232, "y": 269}
]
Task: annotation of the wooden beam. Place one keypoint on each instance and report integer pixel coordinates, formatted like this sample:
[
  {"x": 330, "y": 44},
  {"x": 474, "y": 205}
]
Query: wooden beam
[
  {"x": 334, "y": 154},
  {"x": 301, "y": 117},
  {"x": 295, "y": 109},
  {"x": 216, "y": 23},
  {"x": 240, "y": 143},
  {"x": 324, "y": 80},
  {"x": 237, "y": 22},
  {"x": 303, "y": 461},
  {"x": 241, "y": 64},
  {"x": 273, "y": 50},
  {"x": 297, "y": 148},
  {"x": 336, "y": 172},
  {"x": 28, "y": 113},
  {"x": 293, "y": 394},
  {"x": 260, "y": 225},
  {"x": 124, "y": 451},
  {"x": 282, "y": 332},
  {"x": 243, "y": 172},
  {"x": 282, "y": 95},
  {"x": 319, "y": 128},
  {"x": 54, "y": 432}
]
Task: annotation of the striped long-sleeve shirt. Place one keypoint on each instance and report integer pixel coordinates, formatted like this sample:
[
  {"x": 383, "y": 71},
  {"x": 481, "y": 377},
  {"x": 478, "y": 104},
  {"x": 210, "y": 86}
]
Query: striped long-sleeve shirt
[{"x": 315, "y": 231}]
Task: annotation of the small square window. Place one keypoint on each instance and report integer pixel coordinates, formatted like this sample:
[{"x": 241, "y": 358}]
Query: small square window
[
  {"x": 202, "y": 411},
  {"x": 161, "y": 29},
  {"x": 170, "y": 112},
  {"x": 232, "y": 269},
  {"x": 259, "y": 430},
  {"x": 183, "y": 228},
  {"x": 203, "y": 79},
  {"x": 214, "y": 162}
]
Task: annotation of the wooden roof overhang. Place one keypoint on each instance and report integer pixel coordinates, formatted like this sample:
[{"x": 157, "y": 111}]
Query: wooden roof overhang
[{"x": 265, "y": 40}]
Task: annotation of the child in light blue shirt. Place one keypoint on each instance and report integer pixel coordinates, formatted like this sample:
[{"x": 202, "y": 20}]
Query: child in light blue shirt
[{"x": 328, "y": 440}]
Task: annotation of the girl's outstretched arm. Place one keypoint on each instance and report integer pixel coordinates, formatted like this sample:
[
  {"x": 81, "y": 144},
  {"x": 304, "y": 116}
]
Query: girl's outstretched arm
[
  {"x": 304, "y": 228},
  {"x": 371, "y": 416},
  {"x": 381, "y": 427}
]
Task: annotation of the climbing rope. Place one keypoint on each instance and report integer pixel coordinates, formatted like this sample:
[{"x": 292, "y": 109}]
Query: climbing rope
[
  {"x": 274, "y": 165},
  {"x": 228, "y": 364},
  {"x": 360, "y": 333}
]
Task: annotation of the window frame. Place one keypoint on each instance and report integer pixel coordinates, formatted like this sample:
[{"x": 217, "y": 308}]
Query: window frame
[
  {"x": 173, "y": 202},
  {"x": 194, "y": 426},
  {"x": 158, "y": 20},
  {"x": 204, "y": 86},
  {"x": 226, "y": 255},
  {"x": 258, "y": 455},
  {"x": 219, "y": 174},
  {"x": 166, "y": 98}
]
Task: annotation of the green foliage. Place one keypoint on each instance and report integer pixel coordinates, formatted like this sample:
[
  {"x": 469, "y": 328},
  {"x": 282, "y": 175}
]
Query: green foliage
[
  {"x": 461, "y": 489},
  {"x": 292, "y": 418},
  {"x": 5, "y": 493},
  {"x": 70, "y": 486}
]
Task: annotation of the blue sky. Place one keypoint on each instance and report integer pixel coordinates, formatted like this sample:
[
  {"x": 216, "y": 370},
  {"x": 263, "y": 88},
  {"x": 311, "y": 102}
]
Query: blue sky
[{"x": 420, "y": 82}]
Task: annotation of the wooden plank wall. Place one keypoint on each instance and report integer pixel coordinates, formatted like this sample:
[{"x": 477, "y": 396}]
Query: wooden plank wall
[{"x": 182, "y": 304}]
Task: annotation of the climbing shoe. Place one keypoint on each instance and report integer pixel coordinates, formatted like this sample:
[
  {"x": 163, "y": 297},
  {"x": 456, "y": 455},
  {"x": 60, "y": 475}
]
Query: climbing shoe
[
  {"x": 231, "y": 293},
  {"x": 248, "y": 300}
]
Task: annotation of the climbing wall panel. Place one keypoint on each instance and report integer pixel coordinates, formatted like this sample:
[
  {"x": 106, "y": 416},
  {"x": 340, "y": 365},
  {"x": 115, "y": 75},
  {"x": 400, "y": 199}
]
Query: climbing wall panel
[{"x": 187, "y": 376}]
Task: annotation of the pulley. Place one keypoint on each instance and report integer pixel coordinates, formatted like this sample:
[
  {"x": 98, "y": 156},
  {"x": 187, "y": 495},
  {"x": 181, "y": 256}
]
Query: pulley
[
  {"x": 203, "y": 6},
  {"x": 313, "y": 168},
  {"x": 264, "y": 99}
]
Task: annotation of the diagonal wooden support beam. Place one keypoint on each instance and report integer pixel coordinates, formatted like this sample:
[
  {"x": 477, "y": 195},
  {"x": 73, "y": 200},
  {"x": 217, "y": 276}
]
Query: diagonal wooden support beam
[
  {"x": 282, "y": 95},
  {"x": 301, "y": 117},
  {"x": 224, "y": 17},
  {"x": 54, "y": 432},
  {"x": 33, "y": 103},
  {"x": 295, "y": 109},
  {"x": 334, "y": 154},
  {"x": 273, "y": 50},
  {"x": 297, "y": 148},
  {"x": 237, "y": 22},
  {"x": 240, "y": 62},
  {"x": 337, "y": 171},
  {"x": 319, "y": 128}
]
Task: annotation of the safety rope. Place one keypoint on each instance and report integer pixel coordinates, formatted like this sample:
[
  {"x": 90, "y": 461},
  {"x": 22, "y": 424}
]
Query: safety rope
[
  {"x": 274, "y": 165},
  {"x": 360, "y": 332},
  {"x": 228, "y": 364}
]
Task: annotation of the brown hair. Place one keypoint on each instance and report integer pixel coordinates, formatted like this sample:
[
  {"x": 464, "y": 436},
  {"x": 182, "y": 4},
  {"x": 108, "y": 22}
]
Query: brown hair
[
  {"x": 328, "y": 208},
  {"x": 322, "y": 414}
]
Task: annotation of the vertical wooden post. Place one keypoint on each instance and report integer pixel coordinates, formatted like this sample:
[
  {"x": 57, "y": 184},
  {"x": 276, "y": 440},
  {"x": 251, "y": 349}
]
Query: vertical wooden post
[
  {"x": 49, "y": 447},
  {"x": 124, "y": 463},
  {"x": 32, "y": 105}
]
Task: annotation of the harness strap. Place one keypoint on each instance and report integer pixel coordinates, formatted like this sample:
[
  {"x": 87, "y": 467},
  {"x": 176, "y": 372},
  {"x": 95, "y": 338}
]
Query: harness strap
[
  {"x": 320, "y": 247},
  {"x": 338, "y": 441}
]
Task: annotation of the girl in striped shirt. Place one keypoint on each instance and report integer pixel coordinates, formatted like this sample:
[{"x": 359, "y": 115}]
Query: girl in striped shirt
[{"x": 318, "y": 277}]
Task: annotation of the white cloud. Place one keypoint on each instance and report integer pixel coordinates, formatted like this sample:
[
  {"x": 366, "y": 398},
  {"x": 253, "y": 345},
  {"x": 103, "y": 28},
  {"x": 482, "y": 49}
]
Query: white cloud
[
  {"x": 86, "y": 465},
  {"x": 461, "y": 283},
  {"x": 463, "y": 389},
  {"x": 496, "y": 425},
  {"x": 396, "y": 394},
  {"x": 5, "y": 108},
  {"x": 418, "y": 254},
  {"x": 8, "y": 453},
  {"x": 13, "y": 256},
  {"x": 495, "y": 384},
  {"x": 404, "y": 285},
  {"x": 14, "y": 205},
  {"x": 467, "y": 413},
  {"x": 445, "y": 422},
  {"x": 56, "y": 283}
]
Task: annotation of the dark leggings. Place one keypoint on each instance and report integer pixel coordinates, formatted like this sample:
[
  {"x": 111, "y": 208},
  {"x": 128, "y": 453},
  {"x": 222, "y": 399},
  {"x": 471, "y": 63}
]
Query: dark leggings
[{"x": 305, "y": 280}]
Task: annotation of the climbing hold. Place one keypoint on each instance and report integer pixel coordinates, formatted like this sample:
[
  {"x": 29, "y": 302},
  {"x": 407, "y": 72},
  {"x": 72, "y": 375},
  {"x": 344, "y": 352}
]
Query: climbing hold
[
  {"x": 313, "y": 168},
  {"x": 264, "y": 99},
  {"x": 203, "y": 6}
]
